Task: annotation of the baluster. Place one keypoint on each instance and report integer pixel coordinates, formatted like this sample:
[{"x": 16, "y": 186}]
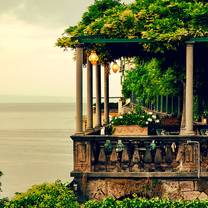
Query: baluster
[
  {"x": 147, "y": 158},
  {"x": 169, "y": 157},
  {"x": 204, "y": 150},
  {"x": 108, "y": 148},
  {"x": 153, "y": 148},
  {"x": 113, "y": 159},
  {"x": 158, "y": 158},
  {"x": 125, "y": 159},
  {"x": 174, "y": 149},
  {"x": 204, "y": 154},
  {"x": 119, "y": 151},
  {"x": 101, "y": 158},
  {"x": 130, "y": 151},
  {"x": 135, "y": 159},
  {"x": 142, "y": 151},
  {"x": 95, "y": 153}
]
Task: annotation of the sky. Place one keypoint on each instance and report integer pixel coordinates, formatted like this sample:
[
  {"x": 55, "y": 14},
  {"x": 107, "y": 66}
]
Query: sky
[{"x": 30, "y": 63}]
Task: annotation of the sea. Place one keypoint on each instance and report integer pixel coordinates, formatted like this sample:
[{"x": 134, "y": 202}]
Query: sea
[{"x": 35, "y": 144}]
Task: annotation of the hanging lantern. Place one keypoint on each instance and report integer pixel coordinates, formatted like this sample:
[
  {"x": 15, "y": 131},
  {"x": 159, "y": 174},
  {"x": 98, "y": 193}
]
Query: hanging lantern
[
  {"x": 93, "y": 58},
  {"x": 115, "y": 67}
]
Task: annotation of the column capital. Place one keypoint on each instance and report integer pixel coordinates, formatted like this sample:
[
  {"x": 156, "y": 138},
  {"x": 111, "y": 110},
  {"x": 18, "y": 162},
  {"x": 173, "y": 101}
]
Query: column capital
[
  {"x": 80, "y": 45},
  {"x": 190, "y": 43}
]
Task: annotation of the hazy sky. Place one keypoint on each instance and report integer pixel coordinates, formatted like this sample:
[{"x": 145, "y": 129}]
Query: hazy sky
[{"x": 30, "y": 64}]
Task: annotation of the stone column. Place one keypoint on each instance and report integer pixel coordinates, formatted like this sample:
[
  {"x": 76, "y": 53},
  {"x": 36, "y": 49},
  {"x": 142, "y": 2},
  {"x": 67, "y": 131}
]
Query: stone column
[
  {"x": 98, "y": 94},
  {"x": 106, "y": 93},
  {"x": 189, "y": 89},
  {"x": 89, "y": 96},
  {"x": 79, "y": 111}
]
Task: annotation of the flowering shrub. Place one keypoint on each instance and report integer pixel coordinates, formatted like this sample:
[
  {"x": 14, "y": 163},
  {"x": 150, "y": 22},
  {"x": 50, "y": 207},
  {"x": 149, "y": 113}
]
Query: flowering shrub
[{"x": 141, "y": 118}]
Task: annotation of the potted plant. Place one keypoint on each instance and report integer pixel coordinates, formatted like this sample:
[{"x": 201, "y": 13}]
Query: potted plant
[{"x": 133, "y": 123}]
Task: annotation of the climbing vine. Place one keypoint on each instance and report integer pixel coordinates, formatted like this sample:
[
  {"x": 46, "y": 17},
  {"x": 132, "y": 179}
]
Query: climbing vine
[{"x": 164, "y": 24}]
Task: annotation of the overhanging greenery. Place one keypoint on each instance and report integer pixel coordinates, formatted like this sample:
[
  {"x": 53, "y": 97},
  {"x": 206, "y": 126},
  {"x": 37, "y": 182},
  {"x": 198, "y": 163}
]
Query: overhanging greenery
[
  {"x": 163, "y": 26},
  {"x": 166, "y": 22}
]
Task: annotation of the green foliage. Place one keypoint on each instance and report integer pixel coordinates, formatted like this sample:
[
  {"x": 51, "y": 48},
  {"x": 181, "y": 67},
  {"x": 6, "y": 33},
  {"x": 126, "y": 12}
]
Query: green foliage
[
  {"x": 91, "y": 22},
  {"x": 45, "y": 195},
  {"x": 2, "y": 200},
  {"x": 166, "y": 22},
  {"x": 149, "y": 79},
  {"x": 0, "y": 182},
  {"x": 144, "y": 203}
]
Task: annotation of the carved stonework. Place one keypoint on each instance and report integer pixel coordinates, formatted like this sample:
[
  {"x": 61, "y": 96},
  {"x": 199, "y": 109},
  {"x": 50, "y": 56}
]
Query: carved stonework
[
  {"x": 99, "y": 189},
  {"x": 187, "y": 158},
  {"x": 171, "y": 189},
  {"x": 82, "y": 156}
]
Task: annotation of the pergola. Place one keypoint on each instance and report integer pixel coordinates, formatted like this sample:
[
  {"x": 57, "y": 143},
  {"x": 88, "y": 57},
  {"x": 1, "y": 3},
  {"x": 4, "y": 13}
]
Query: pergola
[{"x": 83, "y": 41}]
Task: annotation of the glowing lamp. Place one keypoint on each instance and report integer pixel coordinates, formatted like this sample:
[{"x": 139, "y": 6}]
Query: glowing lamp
[
  {"x": 115, "y": 67},
  {"x": 93, "y": 58}
]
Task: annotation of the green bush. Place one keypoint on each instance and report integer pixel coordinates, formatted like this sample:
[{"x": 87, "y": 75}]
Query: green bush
[
  {"x": 47, "y": 195},
  {"x": 2, "y": 200},
  {"x": 144, "y": 203}
]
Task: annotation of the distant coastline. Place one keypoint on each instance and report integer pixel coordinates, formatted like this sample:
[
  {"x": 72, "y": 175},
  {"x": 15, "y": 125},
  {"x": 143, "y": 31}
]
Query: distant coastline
[
  {"x": 39, "y": 107},
  {"x": 35, "y": 99}
]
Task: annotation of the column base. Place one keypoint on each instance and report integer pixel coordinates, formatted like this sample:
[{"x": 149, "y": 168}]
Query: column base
[
  {"x": 81, "y": 133},
  {"x": 89, "y": 130},
  {"x": 183, "y": 131},
  {"x": 188, "y": 132}
]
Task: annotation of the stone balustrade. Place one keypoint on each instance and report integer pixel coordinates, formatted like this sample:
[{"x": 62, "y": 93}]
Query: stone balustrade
[
  {"x": 164, "y": 154},
  {"x": 119, "y": 165}
]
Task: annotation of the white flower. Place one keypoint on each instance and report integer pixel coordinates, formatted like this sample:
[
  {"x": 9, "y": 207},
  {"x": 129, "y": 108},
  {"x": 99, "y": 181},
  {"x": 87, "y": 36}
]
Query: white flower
[
  {"x": 142, "y": 116},
  {"x": 154, "y": 116},
  {"x": 129, "y": 112},
  {"x": 150, "y": 113},
  {"x": 157, "y": 121},
  {"x": 120, "y": 117},
  {"x": 147, "y": 122},
  {"x": 149, "y": 119}
]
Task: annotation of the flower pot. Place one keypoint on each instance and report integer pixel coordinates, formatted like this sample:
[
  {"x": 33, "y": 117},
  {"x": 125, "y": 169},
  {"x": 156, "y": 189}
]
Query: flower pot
[{"x": 130, "y": 130}]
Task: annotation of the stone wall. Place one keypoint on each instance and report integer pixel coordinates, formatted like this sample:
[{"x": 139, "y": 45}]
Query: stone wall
[{"x": 148, "y": 188}]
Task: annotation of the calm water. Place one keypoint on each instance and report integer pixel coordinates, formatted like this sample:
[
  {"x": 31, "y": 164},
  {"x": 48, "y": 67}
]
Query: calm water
[{"x": 35, "y": 144}]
